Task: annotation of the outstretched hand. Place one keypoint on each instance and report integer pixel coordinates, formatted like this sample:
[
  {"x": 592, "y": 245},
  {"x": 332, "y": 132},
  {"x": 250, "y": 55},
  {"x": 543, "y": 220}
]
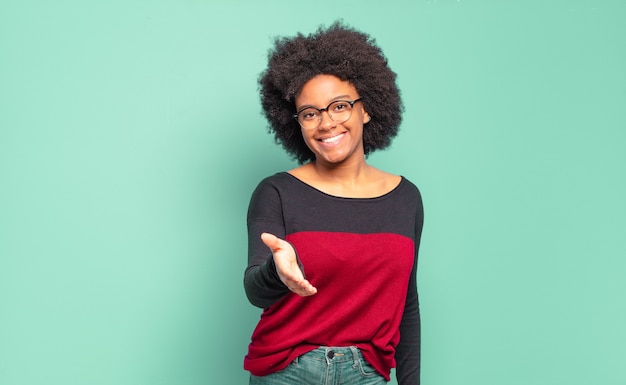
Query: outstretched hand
[{"x": 287, "y": 265}]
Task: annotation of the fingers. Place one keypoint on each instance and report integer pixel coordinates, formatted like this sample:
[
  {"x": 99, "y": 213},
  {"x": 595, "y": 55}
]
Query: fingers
[
  {"x": 287, "y": 265},
  {"x": 302, "y": 288}
]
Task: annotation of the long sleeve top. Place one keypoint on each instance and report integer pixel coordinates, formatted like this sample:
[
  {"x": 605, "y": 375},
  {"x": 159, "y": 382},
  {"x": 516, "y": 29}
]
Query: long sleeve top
[{"x": 360, "y": 253}]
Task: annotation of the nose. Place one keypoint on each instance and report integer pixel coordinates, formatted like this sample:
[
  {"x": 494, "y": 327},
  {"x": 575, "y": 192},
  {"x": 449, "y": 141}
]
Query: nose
[{"x": 326, "y": 121}]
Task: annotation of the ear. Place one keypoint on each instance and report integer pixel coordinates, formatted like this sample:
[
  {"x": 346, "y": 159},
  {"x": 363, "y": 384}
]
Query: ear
[{"x": 366, "y": 117}]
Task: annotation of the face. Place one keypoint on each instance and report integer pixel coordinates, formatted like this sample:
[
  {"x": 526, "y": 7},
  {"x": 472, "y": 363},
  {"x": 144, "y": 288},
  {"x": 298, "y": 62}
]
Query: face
[{"x": 331, "y": 142}]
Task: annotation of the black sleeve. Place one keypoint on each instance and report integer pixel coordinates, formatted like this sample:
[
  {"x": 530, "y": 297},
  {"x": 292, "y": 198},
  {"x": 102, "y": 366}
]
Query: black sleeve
[
  {"x": 261, "y": 282},
  {"x": 408, "y": 351}
]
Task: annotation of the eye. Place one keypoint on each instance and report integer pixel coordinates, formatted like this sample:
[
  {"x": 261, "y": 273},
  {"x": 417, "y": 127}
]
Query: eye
[
  {"x": 340, "y": 106},
  {"x": 308, "y": 114}
]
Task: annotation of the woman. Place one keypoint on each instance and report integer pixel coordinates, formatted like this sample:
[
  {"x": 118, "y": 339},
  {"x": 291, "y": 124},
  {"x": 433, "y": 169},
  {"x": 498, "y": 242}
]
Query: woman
[{"x": 333, "y": 243}]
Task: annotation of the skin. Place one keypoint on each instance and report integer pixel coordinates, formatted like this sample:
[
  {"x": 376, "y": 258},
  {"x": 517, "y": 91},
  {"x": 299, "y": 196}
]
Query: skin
[{"x": 339, "y": 168}]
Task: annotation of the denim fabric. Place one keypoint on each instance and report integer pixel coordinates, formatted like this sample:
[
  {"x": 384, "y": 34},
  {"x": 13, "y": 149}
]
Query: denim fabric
[{"x": 325, "y": 366}]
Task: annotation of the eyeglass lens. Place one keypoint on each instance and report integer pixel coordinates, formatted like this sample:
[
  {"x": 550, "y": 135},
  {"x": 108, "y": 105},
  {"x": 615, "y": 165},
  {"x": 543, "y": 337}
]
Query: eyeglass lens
[{"x": 339, "y": 111}]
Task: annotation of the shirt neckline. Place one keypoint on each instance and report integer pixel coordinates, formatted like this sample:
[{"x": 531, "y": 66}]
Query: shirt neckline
[{"x": 395, "y": 188}]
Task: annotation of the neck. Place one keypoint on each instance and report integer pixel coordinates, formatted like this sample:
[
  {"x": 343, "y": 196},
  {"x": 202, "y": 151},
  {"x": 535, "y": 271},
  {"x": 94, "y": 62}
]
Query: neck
[{"x": 343, "y": 173}]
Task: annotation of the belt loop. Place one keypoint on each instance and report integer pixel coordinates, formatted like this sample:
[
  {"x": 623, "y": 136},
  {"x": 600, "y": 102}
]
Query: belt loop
[{"x": 355, "y": 356}]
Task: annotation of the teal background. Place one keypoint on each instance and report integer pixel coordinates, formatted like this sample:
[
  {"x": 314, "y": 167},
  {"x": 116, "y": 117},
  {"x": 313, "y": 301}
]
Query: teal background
[{"x": 131, "y": 138}]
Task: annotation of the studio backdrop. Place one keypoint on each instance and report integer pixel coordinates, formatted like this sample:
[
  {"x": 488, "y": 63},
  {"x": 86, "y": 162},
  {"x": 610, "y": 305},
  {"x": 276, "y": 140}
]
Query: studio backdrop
[{"x": 131, "y": 138}]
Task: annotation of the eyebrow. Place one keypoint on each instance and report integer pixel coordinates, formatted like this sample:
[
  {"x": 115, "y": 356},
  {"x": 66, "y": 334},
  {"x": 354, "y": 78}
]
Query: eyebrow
[{"x": 340, "y": 97}]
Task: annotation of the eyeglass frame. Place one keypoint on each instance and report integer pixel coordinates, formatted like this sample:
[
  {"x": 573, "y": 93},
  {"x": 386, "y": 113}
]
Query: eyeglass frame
[{"x": 321, "y": 110}]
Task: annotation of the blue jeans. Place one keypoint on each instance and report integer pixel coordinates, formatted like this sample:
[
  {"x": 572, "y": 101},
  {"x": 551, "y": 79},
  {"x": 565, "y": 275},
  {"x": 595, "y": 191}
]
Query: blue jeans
[{"x": 325, "y": 366}]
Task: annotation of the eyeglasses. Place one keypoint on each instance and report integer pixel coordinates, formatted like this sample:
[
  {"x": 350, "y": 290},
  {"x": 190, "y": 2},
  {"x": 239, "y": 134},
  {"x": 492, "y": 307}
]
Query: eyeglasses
[{"x": 339, "y": 111}]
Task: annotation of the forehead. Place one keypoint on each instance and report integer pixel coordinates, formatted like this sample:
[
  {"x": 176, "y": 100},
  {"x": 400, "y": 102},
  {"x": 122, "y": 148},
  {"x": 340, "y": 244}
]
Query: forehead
[{"x": 323, "y": 89}]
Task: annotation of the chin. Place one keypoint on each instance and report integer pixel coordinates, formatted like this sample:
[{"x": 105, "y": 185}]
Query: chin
[{"x": 335, "y": 160}]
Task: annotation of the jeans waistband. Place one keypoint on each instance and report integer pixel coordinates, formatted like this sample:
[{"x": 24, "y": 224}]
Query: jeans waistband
[{"x": 336, "y": 354}]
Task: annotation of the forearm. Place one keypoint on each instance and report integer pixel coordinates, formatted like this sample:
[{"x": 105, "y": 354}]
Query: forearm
[
  {"x": 262, "y": 284},
  {"x": 408, "y": 355},
  {"x": 408, "y": 350}
]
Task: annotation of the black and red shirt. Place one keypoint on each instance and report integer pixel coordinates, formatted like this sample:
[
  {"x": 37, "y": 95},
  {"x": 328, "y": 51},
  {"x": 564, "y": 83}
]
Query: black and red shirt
[{"x": 360, "y": 254}]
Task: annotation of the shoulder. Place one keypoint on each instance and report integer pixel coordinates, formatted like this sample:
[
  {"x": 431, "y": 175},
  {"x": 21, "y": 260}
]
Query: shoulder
[
  {"x": 273, "y": 182},
  {"x": 410, "y": 185},
  {"x": 406, "y": 194},
  {"x": 277, "y": 179},
  {"x": 276, "y": 185},
  {"x": 410, "y": 194},
  {"x": 266, "y": 199},
  {"x": 411, "y": 189}
]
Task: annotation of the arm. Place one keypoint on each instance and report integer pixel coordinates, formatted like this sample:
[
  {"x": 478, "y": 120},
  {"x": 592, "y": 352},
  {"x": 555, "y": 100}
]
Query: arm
[
  {"x": 261, "y": 282},
  {"x": 408, "y": 352},
  {"x": 273, "y": 266}
]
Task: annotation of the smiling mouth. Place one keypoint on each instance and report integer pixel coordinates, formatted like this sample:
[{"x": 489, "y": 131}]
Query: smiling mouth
[{"x": 332, "y": 139}]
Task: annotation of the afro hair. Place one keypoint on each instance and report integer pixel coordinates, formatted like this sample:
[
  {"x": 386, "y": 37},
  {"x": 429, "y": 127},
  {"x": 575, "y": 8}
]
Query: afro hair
[{"x": 341, "y": 51}]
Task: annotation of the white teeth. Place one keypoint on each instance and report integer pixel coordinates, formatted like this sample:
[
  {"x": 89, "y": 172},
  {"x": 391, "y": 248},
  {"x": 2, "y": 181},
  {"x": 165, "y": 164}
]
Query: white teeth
[{"x": 333, "y": 139}]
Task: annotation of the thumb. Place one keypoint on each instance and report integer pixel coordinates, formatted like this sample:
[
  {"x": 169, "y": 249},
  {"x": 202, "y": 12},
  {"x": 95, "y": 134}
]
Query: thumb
[{"x": 271, "y": 241}]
